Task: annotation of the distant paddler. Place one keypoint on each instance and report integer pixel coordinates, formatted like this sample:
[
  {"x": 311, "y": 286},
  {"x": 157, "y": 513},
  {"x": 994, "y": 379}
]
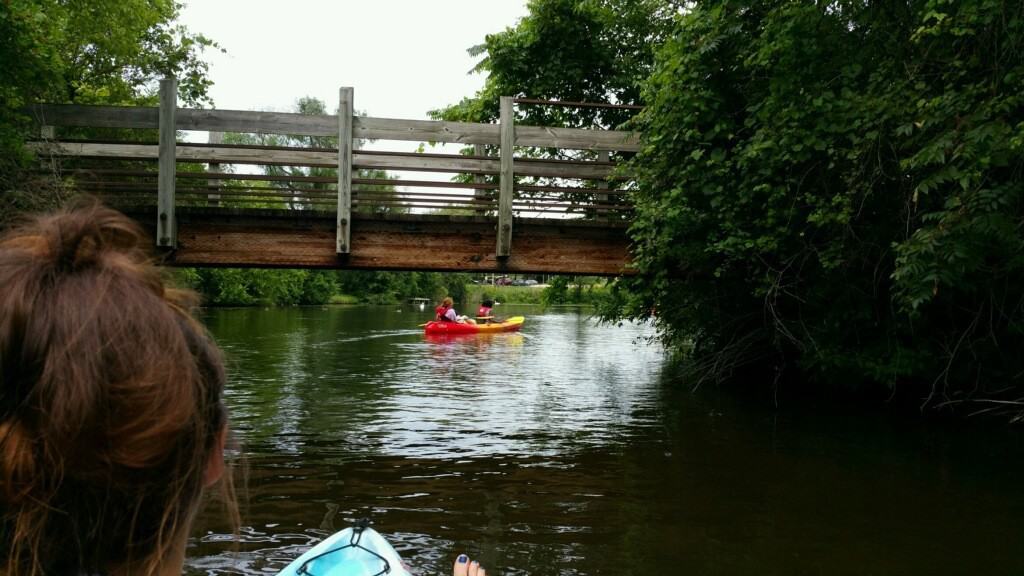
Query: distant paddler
[
  {"x": 484, "y": 312},
  {"x": 445, "y": 312}
]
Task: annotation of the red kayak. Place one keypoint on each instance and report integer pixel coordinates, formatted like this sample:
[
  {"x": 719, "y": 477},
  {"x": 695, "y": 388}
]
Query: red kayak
[{"x": 510, "y": 325}]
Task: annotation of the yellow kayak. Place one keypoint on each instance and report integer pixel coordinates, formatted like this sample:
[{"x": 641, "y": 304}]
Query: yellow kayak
[{"x": 510, "y": 325}]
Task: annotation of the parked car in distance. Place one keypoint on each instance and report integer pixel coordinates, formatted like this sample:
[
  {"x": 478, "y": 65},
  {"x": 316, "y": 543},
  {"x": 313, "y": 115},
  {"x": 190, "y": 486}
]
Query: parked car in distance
[
  {"x": 527, "y": 282},
  {"x": 503, "y": 281}
]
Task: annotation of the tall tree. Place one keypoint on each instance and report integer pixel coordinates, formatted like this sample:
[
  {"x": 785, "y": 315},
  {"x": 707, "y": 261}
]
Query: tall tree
[
  {"x": 575, "y": 50},
  {"x": 92, "y": 52}
]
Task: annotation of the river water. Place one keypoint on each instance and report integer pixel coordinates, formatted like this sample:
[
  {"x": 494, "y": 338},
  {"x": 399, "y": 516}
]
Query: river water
[{"x": 571, "y": 449}]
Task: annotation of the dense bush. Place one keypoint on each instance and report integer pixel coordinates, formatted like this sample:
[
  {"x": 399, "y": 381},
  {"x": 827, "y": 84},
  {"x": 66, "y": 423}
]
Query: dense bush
[{"x": 836, "y": 187}]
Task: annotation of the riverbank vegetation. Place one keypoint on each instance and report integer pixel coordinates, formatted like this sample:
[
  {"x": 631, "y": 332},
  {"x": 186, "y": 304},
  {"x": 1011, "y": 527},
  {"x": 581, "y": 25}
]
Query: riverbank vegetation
[
  {"x": 559, "y": 290},
  {"x": 268, "y": 287},
  {"x": 828, "y": 192},
  {"x": 265, "y": 287}
]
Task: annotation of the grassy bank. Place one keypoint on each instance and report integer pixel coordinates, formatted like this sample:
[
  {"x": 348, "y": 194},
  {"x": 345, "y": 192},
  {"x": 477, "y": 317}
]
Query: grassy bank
[
  {"x": 344, "y": 299},
  {"x": 554, "y": 294},
  {"x": 504, "y": 294}
]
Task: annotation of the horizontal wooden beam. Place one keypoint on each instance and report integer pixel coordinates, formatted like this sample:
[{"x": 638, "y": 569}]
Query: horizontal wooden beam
[
  {"x": 546, "y": 205},
  {"x": 305, "y": 239},
  {"x": 96, "y": 116},
  {"x": 257, "y": 122},
  {"x": 90, "y": 176},
  {"x": 576, "y": 138},
  {"x": 329, "y": 159},
  {"x": 425, "y": 131},
  {"x": 574, "y": 104},
  {"x": 364, "y": 127}
]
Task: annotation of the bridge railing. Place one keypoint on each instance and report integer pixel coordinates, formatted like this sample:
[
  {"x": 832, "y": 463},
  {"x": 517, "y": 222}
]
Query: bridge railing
[{"x": 496, "y": 183}]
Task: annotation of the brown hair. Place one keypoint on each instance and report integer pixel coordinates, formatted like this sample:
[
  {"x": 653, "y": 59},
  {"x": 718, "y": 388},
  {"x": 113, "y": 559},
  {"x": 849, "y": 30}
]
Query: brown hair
[
  {"x": 110, "y": 399},
  {"x": 447, "y": 302}
]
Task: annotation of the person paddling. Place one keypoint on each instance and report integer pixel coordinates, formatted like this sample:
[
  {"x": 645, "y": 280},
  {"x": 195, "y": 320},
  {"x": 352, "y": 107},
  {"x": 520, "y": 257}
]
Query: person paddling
[
  {"x": 445, "y": 312},
  {"x": 484, "y": 312}
]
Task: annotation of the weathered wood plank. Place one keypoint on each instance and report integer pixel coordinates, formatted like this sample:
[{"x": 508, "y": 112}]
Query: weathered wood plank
[
  {"x": 204, "y": 154},
  {"x": 213, "y": 199},
  {"x": 603, "y": 156},
  {"x": 425, "y": 130},
  {"x": 326, "y": 125},
  {"x": 577, "y": 104},
  {"x": 96, "y": 116},
  {"x": 482, "y": 187},
  {"x": 425, "y": 162},
  {"x": 344, "y": 214},
  {"x": 474, "y": 133},
  {"x": 257, "y": 122},
  {"x": 576, "y": 138},
  {"x": 47, "y": 162},
  {"x": 141, "y": 117},
  {"x": 507, "y": 182},
  {"x": 270, "y": 238},
  {"x": 166, "y": 226},
  {"x": 360, "y": 159}
]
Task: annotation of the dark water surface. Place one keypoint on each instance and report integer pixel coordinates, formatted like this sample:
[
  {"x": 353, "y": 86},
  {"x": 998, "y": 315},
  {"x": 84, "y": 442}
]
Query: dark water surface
[{"x": 568, "y": 450}]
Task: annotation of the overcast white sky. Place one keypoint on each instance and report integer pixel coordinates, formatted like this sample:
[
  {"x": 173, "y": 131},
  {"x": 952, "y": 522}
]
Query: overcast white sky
[{"x": 402, "y": 57}]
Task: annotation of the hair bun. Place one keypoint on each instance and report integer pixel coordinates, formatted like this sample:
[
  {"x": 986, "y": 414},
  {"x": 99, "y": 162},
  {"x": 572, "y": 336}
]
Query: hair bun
[{"x": 76, "y": 242}]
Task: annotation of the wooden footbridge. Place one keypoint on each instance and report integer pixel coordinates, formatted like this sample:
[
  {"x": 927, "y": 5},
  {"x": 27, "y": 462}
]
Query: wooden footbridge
[{"x": 332, "y": 206}]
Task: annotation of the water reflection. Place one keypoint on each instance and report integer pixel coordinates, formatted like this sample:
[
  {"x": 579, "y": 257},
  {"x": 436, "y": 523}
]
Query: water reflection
[
  {"x": 561, "y": 450},
  {"x": 370, "y": 383}
]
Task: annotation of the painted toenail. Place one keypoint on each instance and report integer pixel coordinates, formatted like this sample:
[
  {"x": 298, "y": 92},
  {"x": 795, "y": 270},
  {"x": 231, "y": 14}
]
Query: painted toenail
[{"x": 463, "y": 558}]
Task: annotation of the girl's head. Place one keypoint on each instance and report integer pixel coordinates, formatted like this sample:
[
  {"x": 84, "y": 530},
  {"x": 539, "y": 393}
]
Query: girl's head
[
  {"x": 111, "y": 420},
  {"x": 447, "y": 302}
]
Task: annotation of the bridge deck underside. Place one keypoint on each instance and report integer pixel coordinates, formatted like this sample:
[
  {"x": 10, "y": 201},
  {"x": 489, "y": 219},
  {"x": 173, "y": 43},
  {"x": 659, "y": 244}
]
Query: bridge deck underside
[{"x": 286, "y": 239}]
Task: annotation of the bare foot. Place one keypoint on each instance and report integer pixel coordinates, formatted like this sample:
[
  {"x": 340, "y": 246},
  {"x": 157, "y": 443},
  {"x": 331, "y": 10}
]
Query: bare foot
[{"x": 465, "y": 567}]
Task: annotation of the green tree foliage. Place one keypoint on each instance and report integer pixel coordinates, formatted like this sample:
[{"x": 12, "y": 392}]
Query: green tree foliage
[
  {"x": 88, "y": 52},
  {"x": 318, "y": 287},
  {"x": 557, "y": 291},
  {"x": 576, "y": 50},
  {"x": 837, "y": 186},
  {"x": 270, "y": 287},
  {"x": 244, "y": 287},
  {"x": 455, "y": 286},
  {"x": 386, "y": 287}
]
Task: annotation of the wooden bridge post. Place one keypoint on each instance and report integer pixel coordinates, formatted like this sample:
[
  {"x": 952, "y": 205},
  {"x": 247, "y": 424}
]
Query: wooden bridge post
[
  {"x": 344, "y": 235},
  {"x": 47, "y": 161},
  {"x": 166, "y": 225},
  {"x": 213, "y": 186},
  {"x": 479, "y": 193},
  {"x": 602, "y": 184},
  {"x": 506, "y": 187}
]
